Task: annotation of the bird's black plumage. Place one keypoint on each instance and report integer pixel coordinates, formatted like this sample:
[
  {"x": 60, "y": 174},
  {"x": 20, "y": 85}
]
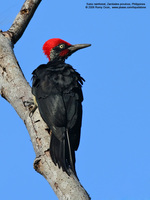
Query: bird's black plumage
[{"x": 57, "y": 88}]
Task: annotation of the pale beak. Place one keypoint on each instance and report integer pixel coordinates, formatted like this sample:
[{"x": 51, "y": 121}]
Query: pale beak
[{"x": 76, "y": 47}]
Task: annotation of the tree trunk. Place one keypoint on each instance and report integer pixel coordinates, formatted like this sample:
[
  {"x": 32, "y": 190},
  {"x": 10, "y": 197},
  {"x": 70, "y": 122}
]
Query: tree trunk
[{"x": 16, "y": 90}]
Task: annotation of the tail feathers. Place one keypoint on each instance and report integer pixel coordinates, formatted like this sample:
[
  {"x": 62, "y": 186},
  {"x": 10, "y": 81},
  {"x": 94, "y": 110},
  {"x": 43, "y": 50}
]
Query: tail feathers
[{"x": 59, "y": 151}]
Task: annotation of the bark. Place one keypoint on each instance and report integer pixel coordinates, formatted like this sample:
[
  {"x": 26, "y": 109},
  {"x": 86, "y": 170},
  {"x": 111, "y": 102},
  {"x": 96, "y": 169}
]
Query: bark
[{"x": 16, "y": 90}]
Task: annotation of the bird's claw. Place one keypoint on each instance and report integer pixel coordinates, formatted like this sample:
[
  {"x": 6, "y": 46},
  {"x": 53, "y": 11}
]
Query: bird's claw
[
  {"x": 28, "y": 104},
  {"x": 32, "y": 107}
]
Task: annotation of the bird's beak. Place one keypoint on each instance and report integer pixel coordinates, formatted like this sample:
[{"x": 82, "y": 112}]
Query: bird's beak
[{"x": 76, "y": 47}]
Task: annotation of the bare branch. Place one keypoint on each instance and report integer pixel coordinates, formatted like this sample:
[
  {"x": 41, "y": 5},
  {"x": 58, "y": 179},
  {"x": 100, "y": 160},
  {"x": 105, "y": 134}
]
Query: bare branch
[
  {"x": 22, "y": 19},
  {"x": 15, "y": 89}
]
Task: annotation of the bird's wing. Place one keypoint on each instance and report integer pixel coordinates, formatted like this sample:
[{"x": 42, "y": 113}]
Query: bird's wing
[{"x": 58, "y": 95}]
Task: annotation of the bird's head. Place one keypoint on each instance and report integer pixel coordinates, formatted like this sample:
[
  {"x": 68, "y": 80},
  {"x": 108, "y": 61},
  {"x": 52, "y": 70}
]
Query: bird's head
[{"x": 57, "y": 49}]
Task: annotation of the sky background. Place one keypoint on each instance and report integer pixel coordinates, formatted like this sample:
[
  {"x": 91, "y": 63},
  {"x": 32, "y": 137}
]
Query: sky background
[{"x": 113, "y": 160}]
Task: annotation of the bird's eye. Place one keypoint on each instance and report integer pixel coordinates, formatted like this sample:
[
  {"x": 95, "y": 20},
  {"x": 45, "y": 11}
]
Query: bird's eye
[{"x": 61, "y": 46}]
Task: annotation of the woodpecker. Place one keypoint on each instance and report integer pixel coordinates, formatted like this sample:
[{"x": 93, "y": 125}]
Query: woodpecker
[{"x": 57, "y": 92}]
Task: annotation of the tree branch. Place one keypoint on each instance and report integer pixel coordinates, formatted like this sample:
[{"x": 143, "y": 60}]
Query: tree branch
[
  {"x": 22, "y": 19},
  {"x": 15, "y": 89}
]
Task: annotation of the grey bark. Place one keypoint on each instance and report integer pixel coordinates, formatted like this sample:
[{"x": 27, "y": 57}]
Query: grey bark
[{"x": 16, "y": 90}]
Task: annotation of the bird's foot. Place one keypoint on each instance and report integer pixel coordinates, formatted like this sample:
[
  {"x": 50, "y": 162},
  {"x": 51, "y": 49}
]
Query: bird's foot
[{"x": 32, "y": 107}]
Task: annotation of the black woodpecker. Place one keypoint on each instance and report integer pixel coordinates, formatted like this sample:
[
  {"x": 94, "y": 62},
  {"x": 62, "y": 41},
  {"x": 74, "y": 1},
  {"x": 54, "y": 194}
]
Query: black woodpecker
[{"x": 57, "y": 93}]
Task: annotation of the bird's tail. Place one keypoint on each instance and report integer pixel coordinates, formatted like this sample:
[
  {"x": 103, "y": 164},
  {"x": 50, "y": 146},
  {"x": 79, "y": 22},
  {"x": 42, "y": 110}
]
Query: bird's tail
[{"x": 62, "y": 154}]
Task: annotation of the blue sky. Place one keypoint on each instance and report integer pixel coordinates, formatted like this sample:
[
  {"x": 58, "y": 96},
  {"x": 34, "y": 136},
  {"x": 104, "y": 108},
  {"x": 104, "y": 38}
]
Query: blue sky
[{"x": 113, "y": 160}]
